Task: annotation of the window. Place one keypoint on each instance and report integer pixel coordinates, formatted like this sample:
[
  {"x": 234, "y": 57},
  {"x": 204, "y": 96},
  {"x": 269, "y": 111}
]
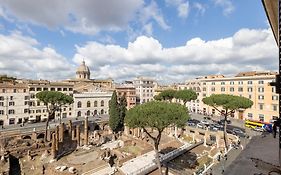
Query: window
[
  {"x": 59, "y": 89},
  {"x": 261, "y": 97},
  {"x": 204, "y": 95},
  {"x": 1, "y": 112},
  {"x": 250, "y": 89},
  {"x": 260, "y": 89},
  {"x": 88, "y": 113},
  {"x": 32, "y": 89},
  {"x": 232, "y": 82},
  {"x": 70, "y": 89},
  {"x": 39, "y": 89},
  {"x": 274, "y": 97},
  {"x": 240, "y": 82},
  {"x": 32, "y": 96},
  {"x": 15, "y": 91},
  {"x": 222, "y": 83},
  {"x": 231, "y": 89},
  {"x": 3, "y": 90},
  {"x": 64, "y": 89},
  {"x": 95, "y": 103},
  {"x": 261, "y": 106},
  {"x": 213, "y": 83},
  {"x": 1, "y": 98},
  {"x": 204, "y": 83},
  {"x": 240, "y": 89},
  {"x": 79, "y": 114},
  {"x": 24, "y": 90},
  {"x": 11, "y": 103},
  {"x": 1, "y": 103},
  {"x": 261, "y": 117},
  {"x": 213, "y": 89},
  {"x": 250, "y": 115},
  {"x": 11, "y": 111},
  {"x": 11, "y": 97},
  {"x": 250, "y": 96},
  {"x": 26, "y": 103},
  {"x": 260, "y": 82},
  {"x": 204, "y": 89},
  {"x": 250, "y": 82},
  {"x": 222, "y": 89},
  {"x": 53, "y": 89},
  {"x": 38, "y": 103},
  {"x": 102, "y": 111},
  {"x": 26, "y": 111},
  {"x": 88, "y": 104},
  {"x": 45, "y": 89},
  {"x": 274, "y": 107},
  {"x": 26, "y": 97},
  {"x": 273, "y": 89},
  {"x": 102, "y": 103},
  {"x": 79, "y": 104}
]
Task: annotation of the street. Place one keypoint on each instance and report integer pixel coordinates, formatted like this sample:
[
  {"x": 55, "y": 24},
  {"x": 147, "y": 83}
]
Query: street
[{"x": 29, "y": 127}]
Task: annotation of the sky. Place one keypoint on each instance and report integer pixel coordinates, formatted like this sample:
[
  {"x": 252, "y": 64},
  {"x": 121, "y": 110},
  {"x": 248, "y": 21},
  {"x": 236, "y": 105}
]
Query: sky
[{"x": 169, "y": 40}]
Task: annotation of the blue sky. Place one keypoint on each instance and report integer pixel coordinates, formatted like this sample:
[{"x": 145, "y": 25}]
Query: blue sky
[{"x": 170, "y": 40}]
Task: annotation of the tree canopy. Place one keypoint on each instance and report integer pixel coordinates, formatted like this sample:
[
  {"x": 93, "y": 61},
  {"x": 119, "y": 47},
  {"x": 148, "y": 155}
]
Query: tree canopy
[
  {"x": 114, "y": 118},
  {"x": 186, "y": 95},
  {"x": 229, "y": 102},
  {"x": 53, "y": 100},
  {"x": 168, "y": 94},
  {"x": 157, "y": 115}
]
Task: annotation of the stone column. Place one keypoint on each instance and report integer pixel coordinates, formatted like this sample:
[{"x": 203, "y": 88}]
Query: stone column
[
  {"x": 49, "y": 135},
  {"x": 57, "y": 138},
  {"x": 54, "y": 151},
  {"x": 61, "y": 130},
  {"x": 73, "y": 132},
  {"x": 126, "y": 130},
  {"x": 138, "y": 132},
  {"x": 78, "y": 135},
  {"x": 86, "y": 137},
  {"x": 70, "y": 127}
]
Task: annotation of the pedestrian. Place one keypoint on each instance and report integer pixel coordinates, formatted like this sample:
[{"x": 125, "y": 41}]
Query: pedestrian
[{"x": 274, "y": 129}]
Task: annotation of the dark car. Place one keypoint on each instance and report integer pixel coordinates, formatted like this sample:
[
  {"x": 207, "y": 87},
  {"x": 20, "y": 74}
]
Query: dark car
[
  {"x": 207, "y": 118},
  {"x": 221, "y": 122},
  {"x": 239, "y": 132}
]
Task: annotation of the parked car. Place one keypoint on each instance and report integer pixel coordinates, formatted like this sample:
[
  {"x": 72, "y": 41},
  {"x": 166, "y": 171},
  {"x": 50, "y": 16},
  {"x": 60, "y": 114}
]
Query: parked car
[
  {"x": 221, "y": 122},
  {"x": 191, "y": 123},
  {"x": 212, "y": 127},
  {"x": 259, "y": 129},
  {"x": 207, "y": 118},
  {"x": 205, "y": 122},
  {"x": 200, "y": 125}
]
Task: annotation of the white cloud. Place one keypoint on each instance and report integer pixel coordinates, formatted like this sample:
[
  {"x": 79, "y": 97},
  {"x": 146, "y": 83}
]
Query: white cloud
[
  {"x": 20, "y": 56},
  {"x": 83, "y": 16},
  {"x": 227, "y": 6},
  {"x": 246, "y": 50},
  {"x": 200, "y": 7}
]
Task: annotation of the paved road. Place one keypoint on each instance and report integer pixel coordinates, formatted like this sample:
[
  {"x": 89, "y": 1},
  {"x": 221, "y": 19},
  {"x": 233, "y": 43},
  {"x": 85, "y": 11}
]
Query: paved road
[{"x": 40, "y": 126}]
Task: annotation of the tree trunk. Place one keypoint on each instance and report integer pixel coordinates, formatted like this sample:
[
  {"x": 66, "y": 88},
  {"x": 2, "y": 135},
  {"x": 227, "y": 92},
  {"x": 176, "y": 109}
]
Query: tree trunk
[
  {"x": 224, "y": 131},
  {"x": 157, "y": 158},
  {"x": 46, "y": 129}
]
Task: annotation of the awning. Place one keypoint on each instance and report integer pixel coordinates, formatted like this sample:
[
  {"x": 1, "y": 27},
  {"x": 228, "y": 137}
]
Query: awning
[{"x": 271, "y": 10}]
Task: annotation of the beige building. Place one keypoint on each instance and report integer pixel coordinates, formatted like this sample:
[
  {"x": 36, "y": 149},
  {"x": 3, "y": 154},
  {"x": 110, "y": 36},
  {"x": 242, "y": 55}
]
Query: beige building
[
  {"x": 14, "y": 103},
  {"x": 38, "y": 111},
  {"x": 129, "y": 91},
  {"x": 94, "y": 102},
  {"x": 252, "y": 85},
  {"x": 144, "y": 89}
]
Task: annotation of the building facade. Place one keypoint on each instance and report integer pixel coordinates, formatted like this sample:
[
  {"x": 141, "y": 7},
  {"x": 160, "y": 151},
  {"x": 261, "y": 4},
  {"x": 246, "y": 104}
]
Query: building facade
[
  {"x": 91, "y": 103},
  {"x": 129, "y": 91},
  {"x": 14, "y": 103},
  {"x": 252, "y": 85},
  {"x": 144, "y": 89}
]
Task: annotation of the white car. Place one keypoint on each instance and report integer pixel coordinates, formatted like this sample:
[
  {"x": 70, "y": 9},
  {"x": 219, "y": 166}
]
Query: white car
[
  {"x": 259, "y": 129},
  {"x": 205, "y": 122},
  {"x": 200, "y": 125}
]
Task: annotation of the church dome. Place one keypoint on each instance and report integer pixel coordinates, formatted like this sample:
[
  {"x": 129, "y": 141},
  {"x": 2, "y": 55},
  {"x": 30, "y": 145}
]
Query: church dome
[
  {"x": 83, "y": 68},
  {"x": 83, "y": 71}
]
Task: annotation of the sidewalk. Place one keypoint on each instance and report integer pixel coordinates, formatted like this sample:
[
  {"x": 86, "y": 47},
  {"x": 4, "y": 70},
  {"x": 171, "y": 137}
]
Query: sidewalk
[{"x": 260, "y": 156}]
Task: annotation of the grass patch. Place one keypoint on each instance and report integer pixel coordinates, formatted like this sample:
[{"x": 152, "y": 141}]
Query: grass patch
[
  {"x": 131, "y": 149},
  {"x": 187, "y": 138}
]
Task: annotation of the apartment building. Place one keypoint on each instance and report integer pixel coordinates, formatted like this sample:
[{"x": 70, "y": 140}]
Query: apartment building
[
  {"x": 253, "y": 85},
  {"x": 37, "y": 109},
  {"x": 129, "y": 91},
  {"x": 91, "y": 103},
  {"x": 144, "y": 89},
  {"x": 14, "y": 103}
]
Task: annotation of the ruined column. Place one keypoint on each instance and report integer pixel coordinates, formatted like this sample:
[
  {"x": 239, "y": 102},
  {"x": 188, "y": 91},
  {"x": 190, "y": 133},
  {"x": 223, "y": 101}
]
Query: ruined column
[
  {"x": 54, "y": 151},
  {"x": 78, "y": 135},
  {"x": 86, "y": 137},
  {"x": 61, "y": 130},
  {"x": 73, "y": 133},
  {"x": 138, "y": 132},
  {"x": 57, "y": 138},
  {"x": 69, "y": 127},
  {"x": 126, "y": 130}
]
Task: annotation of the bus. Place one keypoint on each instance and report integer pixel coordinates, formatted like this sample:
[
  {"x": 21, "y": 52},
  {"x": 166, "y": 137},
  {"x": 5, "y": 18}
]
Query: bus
[{"x": 258, "y": 125}]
